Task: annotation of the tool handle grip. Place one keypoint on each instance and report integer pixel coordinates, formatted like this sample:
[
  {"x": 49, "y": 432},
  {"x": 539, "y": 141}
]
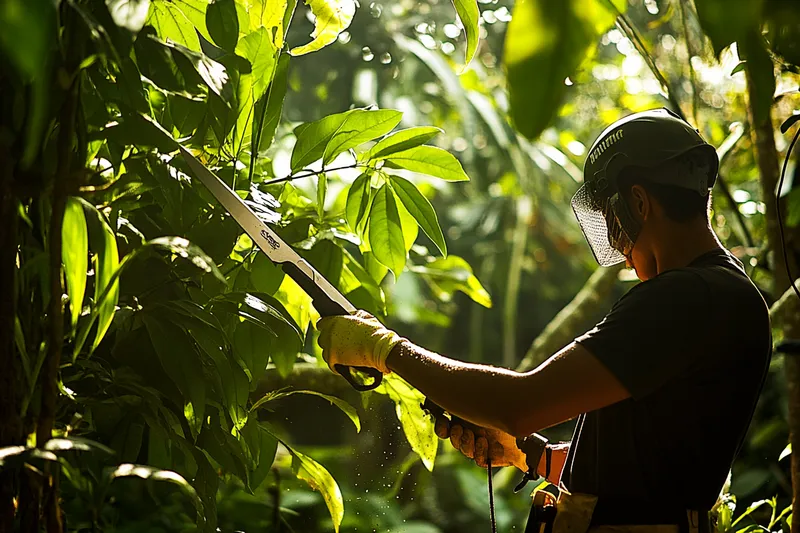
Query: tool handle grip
[{"x": 325, "y": 306}]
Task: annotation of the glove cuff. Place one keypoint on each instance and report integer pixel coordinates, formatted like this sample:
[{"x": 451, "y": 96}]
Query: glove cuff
[{"x": 385, "y": 341}]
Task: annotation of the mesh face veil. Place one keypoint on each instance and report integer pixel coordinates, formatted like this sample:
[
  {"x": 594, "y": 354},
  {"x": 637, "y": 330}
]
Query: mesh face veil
[{"x": 646, "y": 140}]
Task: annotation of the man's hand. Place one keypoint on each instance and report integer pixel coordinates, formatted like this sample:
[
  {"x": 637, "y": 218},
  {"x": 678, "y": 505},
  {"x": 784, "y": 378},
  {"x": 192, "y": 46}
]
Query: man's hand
[
  {"x": 356, "y": 340},
  {"x": 479, "y": 443}
]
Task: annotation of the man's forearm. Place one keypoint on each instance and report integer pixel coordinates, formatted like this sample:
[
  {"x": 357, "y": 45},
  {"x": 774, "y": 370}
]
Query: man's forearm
[{"x": 482, "y": 394}]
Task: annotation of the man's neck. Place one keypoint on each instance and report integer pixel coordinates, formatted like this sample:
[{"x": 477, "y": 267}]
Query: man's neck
[{"x": 683, "y": 243}]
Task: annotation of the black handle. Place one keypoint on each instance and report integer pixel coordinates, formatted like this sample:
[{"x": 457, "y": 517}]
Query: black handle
[{"x": 327, "y": 307}]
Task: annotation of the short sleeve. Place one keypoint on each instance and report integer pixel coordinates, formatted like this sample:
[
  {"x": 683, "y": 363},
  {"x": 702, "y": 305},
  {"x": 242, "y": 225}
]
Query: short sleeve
[{"x": 653, "y": 333}]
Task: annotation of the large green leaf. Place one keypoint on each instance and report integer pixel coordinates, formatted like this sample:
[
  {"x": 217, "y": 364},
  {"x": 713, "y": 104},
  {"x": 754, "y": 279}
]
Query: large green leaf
[
  {"x": 421, "y": 209},
  {"x": 469, "y": 14},
  {"x": 258, "y": 49},
  {"x": 130, "y": 14},
  {"x": 313, "y": 138},
  {"x": 331, "y": 17},
  {"x": 545, "y": 44},
  {"x": 346, "y": 408},
  {"x": 358, "y": 198},
  {"x": 155, "y": 474},
  {"x": 177, "y": 19},
  {"x": 428, "y": 160},
  {"x": 360, "y": 126},
  {"x": 252, "y": 344},
  {"x": 417, "y": 426},
  {"x": 75, "y": 254},
  {"x": 318, "y": 478},
  {"x": 106, "y": 283},
  {"x": 182, "y": 363},
  {"x": 386, "y": 232},
  {"x": 223, "y": 23},
  {"x": 270, "y": 107},
  {"x": 400, "y": 141},
  {"x": 263, "y": 447}
]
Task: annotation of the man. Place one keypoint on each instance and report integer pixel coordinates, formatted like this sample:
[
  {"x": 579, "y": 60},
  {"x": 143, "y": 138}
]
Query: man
[{"x": 664, "y": 386}]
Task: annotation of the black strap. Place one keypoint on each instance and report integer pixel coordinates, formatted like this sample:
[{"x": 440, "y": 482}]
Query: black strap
[{"x": 491, "y": 493}]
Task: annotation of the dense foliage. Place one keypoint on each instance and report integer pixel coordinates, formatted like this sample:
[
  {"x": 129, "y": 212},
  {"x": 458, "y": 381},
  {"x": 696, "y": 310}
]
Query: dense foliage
[{"x": 158, "y": 373}]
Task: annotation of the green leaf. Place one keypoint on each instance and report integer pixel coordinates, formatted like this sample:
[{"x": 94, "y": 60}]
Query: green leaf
[
  {"x": 327, "y": 258},
  {"x": 728, "y": 21},
  {"x": 251, "y": 343},
  {"x": 332, "y": 17},
  {"x": 386, "y": 232},
  {"x": 451, "y": 274},
  {"x": 313, "y": 138},
  {"x": 322, "y": 192},
  {"x": 106, "y": 262},
  {"x": 265, "y": 276},
  {"x": 182, "y": 363},
  {"x": 185, "y": 249},
  {"x": 417, "y": 426},
  {"x": 211, "y": 72},
  {"x": 130, "y": 14},
  {"x": 421, "y": 209},
  {"x": 360, "y": 126},
  {"x": 266, "y": 124},
  {"x": 258, "y": 49},
  {"x": 400, "y": 141},
  {"x": 155, "y": 474},
  {"x": 545, "y": 43},
  {"x": 319, "y": 479},
  {"x": 739, "y": 67},
  {"x": 75, "y": 254},
  {"x": 428, "y": 160},
  {"x": 223, "y": 23},
  {"x": 346, "y": 408},
  {"x": 272, "y": 15},
  {"x": 267, "y": 448},
  {"x": 358, "y": 198},
  {"x": 469, "y": 15},
  {"x": 177, "y": 19}
]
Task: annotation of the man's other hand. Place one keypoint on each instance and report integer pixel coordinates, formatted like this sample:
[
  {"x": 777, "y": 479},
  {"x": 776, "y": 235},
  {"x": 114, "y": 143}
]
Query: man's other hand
[{"x": 480, "y": 443}]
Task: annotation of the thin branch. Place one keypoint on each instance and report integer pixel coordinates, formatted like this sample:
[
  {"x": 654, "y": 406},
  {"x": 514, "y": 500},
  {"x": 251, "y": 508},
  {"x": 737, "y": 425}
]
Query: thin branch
[
  {"x": 689, "y": 49},
  {"x": 308, "y": 173}
]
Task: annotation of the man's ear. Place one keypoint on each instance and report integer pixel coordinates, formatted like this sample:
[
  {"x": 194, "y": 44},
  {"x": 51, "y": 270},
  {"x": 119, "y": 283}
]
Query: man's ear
[{"x": 640, "y": 203}]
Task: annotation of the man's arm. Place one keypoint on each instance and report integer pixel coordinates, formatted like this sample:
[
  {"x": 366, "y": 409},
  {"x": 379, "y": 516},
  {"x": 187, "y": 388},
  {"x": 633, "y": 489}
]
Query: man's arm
[{"x": 570, "y": 383}]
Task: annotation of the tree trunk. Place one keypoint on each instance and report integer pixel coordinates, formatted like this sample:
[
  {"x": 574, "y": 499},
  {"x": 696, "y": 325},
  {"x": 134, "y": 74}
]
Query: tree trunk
[
  {"x": 769, "y": 170},
  {"x": 568, "y": 322}
]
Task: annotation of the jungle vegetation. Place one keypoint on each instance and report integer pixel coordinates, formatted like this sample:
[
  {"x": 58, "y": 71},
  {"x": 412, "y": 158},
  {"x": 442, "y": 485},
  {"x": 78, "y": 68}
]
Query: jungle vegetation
[{"x": 157, "y": 373}]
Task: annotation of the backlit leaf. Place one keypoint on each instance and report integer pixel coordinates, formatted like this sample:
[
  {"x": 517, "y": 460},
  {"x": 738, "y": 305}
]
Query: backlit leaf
[
  {"x": 469, "y": 15},
  {"x": 332, "y": 17},
  {"x": 258, "y": 49},
  {"x": 451, "y": 274},
  {"x": 428, "y": 160},
  {"x": 313, "y": 138},
  {"x": 360, "y": 126},
  {"x": 421, "y": 209},
  {"x": 319, "y": 479},
  {"x": 75, "y": 255},
  {"x": 358, "y": 198},
  {"x": 106, "y": 262},
  {"x": 417, "y": 426},
  {"x": 545, "y": 44},
  {"x": 273, "y": 15},
  {"x": 400, "y": 141},
  {"x": 385, "y": 231},
  {"x": 266, "y": 121},
  {"x": 177, "y": 19},
  {"x": 346, "y": 408},
  {"x": 148, "y": 472}
]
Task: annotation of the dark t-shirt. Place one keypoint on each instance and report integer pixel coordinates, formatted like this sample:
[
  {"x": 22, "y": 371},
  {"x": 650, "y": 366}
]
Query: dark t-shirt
[{"x": 692, "y": 346}]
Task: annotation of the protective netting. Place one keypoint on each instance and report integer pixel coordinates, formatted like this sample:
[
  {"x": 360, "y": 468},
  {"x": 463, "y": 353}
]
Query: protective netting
[{"x": 601, "y": 228}]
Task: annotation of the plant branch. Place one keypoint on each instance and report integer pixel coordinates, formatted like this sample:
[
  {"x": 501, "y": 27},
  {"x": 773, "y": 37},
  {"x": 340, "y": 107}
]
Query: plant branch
[{"x": 308, "y": 173}]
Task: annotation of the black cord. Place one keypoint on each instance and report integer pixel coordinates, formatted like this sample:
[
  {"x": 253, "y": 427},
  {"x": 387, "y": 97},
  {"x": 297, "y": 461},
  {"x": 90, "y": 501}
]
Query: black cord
[
  {"x": 780, "y": 218},
  {"x": 491, "y": 494}
]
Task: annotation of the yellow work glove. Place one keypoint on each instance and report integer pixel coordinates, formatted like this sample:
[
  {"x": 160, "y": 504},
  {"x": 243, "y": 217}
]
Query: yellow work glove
[{"x": 356, "y": 340}]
